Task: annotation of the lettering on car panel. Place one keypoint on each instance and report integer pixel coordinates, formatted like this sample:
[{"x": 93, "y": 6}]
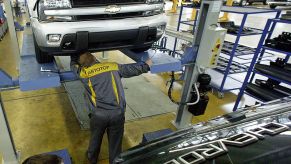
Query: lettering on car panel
[
  {"x": 240, "y": 140},
  {"x": 270, "y": 129},
  {"x": 199, "y": 153},
  {"x": 191, "y": 158}
]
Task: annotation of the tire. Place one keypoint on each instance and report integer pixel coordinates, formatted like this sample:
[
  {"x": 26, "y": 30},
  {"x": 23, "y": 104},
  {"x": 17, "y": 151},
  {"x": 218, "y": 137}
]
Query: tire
[
  {"x": 265, "y": 2},
  {"x": 250, "y": 3},
  {"x": 273, "y": 6},
  {"x": 41, "y": 57},
  {"x": 142, "y": 49}
]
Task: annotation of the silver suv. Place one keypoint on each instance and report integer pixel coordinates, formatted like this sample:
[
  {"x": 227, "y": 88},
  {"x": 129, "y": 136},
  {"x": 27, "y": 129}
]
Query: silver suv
[{"x": 64, "y": 27}]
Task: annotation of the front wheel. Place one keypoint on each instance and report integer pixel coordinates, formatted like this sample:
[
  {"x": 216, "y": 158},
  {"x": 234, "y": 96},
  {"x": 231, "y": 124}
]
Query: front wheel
[{"x": 41, "y": 57}]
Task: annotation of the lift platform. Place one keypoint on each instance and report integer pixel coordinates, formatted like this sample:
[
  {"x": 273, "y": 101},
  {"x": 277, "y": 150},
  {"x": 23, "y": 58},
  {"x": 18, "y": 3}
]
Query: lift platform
[{"x": 35, "y": 76}]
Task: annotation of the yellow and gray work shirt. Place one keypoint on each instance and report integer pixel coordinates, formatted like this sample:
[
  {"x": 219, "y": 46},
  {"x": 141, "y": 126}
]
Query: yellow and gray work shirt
[{"x": 103, "y": 85}]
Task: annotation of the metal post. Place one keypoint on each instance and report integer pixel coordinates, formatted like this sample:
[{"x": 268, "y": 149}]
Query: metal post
[
  {"x": 7, "y": 148},
  {"x": 11, "y": 26},
  {"x": 208, "y": 15},
  {"x": 104, "y": 55},
  {"x": 245, "y": 83},
  {"x": 268, "y": 37},
  {"x": 195, "y": 21},
  {"x": 178, "y": 27},
  {"x": 232, "y": 54}
]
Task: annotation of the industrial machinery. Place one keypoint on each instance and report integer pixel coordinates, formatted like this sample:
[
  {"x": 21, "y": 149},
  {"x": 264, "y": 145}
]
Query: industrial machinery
[
  {"x": 203, "y": 54},
  {"x": 259, "y": 133}
]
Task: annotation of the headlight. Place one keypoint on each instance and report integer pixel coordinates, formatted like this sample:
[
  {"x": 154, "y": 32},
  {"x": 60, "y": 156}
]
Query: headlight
[
  {"x": 58, "y": 18},
  {"x": 54, "y": 37},
  {"x": 53, "y": 4},
  {"x": 56, "y": 4},
  {"x": 154, "y": 1}
]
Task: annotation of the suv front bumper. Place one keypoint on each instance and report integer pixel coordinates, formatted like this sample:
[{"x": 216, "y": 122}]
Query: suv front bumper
[{"x": 99, "y": 34}]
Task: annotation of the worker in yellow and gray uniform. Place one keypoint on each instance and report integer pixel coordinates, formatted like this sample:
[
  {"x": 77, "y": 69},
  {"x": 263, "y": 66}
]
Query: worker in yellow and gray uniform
[{"x": 105, "y": 99}]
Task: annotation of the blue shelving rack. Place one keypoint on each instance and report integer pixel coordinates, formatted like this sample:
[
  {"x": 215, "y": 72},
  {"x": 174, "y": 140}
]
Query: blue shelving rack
[
  {"x": 235, "y": 58},
  {"x": 1, "y": 11},
  {"x": 3, "y": 25},
  {"x": 259, "y": 54},
  {"x": 186, "y": 22}
]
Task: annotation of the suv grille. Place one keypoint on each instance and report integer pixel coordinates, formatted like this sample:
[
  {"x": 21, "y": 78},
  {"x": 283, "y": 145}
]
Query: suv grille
[
  {"x": 108, "y": 16},
  {"x": 88, "y": 3}
]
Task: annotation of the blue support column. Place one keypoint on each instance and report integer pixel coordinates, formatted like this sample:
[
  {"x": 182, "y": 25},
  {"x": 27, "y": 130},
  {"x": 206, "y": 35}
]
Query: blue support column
[
  {"x": 270, "y": 31},
  {"x": 178, "y": 27},
  {"x": 245, "y": 83},
  {"x": 1, "y": 12},
  {"x": 161, "y": 62},
  {"x": 232, "y": 54},
  {"x": 30, "y": 75}
]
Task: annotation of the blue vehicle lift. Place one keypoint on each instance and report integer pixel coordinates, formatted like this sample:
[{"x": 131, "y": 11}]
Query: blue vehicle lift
[
  {"x": 258, "y": 56},
  {"x": 34, "y": 76},
  {"x": 235, "y": 58}
]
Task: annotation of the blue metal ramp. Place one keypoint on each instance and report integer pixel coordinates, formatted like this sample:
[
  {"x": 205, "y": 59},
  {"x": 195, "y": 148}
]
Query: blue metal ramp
[
  {"x": 162, "y": 62},
  {"x": 34, "y": 76},
  {"x": 30, "y": 75}
]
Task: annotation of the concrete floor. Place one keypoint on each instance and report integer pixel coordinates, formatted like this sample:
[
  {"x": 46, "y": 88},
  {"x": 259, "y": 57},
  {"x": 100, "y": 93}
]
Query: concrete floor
[{"x": 43, "y": 121}]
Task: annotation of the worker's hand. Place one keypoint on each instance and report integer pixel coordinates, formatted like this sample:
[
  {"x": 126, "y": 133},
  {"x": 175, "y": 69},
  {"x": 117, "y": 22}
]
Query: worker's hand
[{"x": 149, "y": 62}]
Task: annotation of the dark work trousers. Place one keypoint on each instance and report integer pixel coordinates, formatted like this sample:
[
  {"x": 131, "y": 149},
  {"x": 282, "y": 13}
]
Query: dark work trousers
[{"x": 111, "y": 121}]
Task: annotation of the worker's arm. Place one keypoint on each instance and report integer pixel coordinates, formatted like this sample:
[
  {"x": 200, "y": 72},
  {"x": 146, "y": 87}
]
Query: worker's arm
[
  {"x": 135, "y": 69},
  {"x": 75, "y": 66}
]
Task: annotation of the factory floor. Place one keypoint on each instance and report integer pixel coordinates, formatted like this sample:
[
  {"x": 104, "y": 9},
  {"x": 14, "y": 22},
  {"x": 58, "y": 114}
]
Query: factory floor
[{"x": 43, "y": 120}]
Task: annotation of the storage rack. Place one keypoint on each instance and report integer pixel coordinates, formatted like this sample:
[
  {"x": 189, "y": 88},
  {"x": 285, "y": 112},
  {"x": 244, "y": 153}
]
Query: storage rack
[
  {"x": 233, "y": 52},
  {"x": 3, "y": 26},
  {"x": 259, "y": 54},
  {"x": 186, "y": 22}
]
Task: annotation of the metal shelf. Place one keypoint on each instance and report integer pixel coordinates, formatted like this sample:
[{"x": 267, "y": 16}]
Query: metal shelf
[
  {"x": 272, "y": 77},
  {"x": 259, "y": 54},
  {"x": 230, "y": 83},
  {"x": 235, "y": 64},
  {"x": 281, "y": 21},
  {"x": 253, "y": 96},
  {"x": 240, "y": 50},
  {"x": 246, "y": 10},
  {"x": 254, "y": 31},
  {"x": 276, "y": 50},
  {"x": 190, "y": 22},
  {"x": 236, "y": 67}
]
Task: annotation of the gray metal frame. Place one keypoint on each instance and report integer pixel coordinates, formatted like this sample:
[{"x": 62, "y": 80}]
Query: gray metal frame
[
  {"x": 208, "y": 15},
  {"x": 11, "y": 26},
  {"x": 7, "y": 147}
]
